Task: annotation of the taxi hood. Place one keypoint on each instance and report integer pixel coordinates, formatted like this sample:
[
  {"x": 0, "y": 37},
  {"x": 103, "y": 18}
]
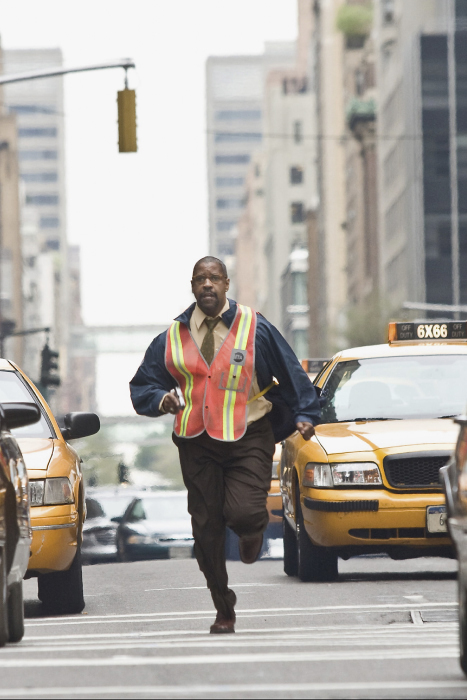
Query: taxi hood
[
  {"x": 339, "y": 438},
  {"x": 36, "y": 452}
]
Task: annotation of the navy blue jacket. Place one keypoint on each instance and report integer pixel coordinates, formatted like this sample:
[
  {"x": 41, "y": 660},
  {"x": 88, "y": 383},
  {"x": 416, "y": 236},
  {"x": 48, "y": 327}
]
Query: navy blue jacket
[{"x": 295, "y": 399}]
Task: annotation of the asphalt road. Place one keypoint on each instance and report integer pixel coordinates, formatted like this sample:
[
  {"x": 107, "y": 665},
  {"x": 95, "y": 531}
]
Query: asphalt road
[{"x": 385, "y": 629}]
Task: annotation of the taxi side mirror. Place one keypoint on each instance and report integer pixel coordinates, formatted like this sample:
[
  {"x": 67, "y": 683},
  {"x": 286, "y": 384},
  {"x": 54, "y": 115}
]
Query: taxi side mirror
[
  {"x": 18, "y": 415},
  {"x": 79, "y": 425}
]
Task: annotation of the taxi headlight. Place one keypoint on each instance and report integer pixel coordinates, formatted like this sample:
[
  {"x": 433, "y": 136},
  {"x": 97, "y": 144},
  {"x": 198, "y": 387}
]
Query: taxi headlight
[
  {"x": 141, "y": 539},
  {"x": 355, "y": 473},
  {"x": 58, "y": 491},
  {"x": 36, "y": 492},
  {"x": 317, "y": 475}
]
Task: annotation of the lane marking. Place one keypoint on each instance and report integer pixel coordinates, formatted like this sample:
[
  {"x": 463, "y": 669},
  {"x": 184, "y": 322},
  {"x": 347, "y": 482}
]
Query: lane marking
[
  {"x": 205, "y": 588},
  {"x": 263, "y": 633},
  {"x": 209, "y": 643},
  {"x": 187, "y": 615},
  {"x": 229, "y": 659},
  {"x": 230, "y": 689}
]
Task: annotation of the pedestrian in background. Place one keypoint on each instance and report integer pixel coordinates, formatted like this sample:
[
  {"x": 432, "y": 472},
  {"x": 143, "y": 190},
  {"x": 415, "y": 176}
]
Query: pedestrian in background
[{"x": 236, "y": 388}]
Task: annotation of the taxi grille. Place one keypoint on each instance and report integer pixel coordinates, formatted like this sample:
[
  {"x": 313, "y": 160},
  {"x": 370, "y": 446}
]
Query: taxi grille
[{"x": 416, "y": 470}]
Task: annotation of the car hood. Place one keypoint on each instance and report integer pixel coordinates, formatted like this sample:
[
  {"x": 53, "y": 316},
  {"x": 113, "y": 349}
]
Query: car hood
[
  {"x": 98, "y": 524},
  {"x": 36, "y": 452},
  {"x": 339, "y": 438}
]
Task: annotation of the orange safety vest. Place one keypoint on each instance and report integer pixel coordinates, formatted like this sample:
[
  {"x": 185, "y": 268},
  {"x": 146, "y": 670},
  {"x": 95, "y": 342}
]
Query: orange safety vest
[{"x": 215, "y": 396}]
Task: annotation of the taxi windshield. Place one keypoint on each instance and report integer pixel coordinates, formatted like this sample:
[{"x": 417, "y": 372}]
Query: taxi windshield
[
  {"x": 13, "y": 390},
  {"x": 423, "y": 386}
]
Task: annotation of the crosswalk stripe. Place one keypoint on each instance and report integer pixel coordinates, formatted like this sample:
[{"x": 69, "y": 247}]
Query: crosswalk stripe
[{"x": 215, "y": 659}]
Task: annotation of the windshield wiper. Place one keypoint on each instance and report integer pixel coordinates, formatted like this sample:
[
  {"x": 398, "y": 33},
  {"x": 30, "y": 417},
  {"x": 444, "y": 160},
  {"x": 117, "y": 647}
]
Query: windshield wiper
[
  {"x": 364, "y": 420},
  {"x": 453, "y": 416}
]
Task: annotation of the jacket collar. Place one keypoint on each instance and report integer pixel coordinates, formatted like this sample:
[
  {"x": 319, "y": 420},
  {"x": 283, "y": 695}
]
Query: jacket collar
[{"x": 228, "y": 316}]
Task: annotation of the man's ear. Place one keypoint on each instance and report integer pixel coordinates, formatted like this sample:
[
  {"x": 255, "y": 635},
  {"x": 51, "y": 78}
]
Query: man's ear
[{"x": 227, "y": 285}]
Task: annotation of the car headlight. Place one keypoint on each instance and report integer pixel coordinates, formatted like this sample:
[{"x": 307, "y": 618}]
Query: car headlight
[
  {"x": 341, "y": 474},
  {"x": 141, "y": 539},
  {"x": 317, "y": 475},
  {"x": 55, "y": 491},
  {"x": 357, "y": 473}
]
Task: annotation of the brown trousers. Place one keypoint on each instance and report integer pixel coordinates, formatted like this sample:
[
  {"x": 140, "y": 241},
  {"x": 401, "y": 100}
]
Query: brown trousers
[{"x": 228, "y": 484}]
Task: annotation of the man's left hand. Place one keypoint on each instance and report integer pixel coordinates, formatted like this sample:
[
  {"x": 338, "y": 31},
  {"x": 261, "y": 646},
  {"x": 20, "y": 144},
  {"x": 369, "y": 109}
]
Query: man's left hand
[{"x": 306, "y": 430}]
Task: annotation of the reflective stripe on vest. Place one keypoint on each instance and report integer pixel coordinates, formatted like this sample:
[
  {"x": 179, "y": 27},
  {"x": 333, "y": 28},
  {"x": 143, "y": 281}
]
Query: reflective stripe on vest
[{"x": 215, "y": 396}]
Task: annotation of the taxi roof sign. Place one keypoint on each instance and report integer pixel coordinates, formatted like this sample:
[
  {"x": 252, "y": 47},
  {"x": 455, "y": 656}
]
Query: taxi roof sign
[
  {"x": 314, "y": 365},
  {"x": 419, "y": 331}
]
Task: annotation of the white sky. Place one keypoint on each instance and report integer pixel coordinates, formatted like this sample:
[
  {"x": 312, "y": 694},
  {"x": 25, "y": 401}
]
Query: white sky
[{"x": 140, "y": 219}]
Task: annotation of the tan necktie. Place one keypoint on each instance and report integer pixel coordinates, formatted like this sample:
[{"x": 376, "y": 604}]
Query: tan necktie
[{"x": 207, "y": 347}]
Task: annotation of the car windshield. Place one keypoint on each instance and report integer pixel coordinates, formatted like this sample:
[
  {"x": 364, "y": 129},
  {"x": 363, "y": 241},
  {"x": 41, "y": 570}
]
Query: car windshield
[
  {"x": 12, "y": 389},
  {"x": 107, "y": 506},
  {"x": 162, "y": 508},
  {"x": 423, "y": 386}
]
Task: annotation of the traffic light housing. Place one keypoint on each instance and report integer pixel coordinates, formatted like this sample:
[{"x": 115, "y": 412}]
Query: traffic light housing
[
  {"x": 126, "y": 100},
  {"x": 49, "y": 364}
]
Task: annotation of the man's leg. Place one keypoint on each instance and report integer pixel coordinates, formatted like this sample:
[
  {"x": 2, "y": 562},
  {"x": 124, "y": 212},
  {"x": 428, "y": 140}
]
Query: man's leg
[
  {"x": 201, "y": 462},
  {"x": 247, "y": 480}
]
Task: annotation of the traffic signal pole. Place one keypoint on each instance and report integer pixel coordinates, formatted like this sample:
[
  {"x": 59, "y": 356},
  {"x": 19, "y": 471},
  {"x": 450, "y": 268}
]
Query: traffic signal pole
[{"x": 125, "y": 63}]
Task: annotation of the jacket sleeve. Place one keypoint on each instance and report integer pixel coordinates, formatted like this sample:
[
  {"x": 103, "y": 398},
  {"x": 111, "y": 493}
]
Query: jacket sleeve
[
  {"x": 152, "y": 380},
  {"x": 275, "y": 358}
]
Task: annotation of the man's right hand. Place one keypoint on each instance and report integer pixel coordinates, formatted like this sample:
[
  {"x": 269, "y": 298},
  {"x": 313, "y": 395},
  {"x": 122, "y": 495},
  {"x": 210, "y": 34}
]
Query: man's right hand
[{"x": 171, "y": 404}]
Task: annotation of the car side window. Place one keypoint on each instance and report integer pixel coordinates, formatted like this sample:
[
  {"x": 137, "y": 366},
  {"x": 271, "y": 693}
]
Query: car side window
[{"x": 137, "y": 512}]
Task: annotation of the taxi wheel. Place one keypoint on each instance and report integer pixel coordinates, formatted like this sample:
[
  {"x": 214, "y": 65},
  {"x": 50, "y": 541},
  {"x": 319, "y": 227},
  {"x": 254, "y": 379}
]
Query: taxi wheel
[
  {"x": 16, "y": 612},
  {"x": 290, "y": 549},
  {"x": 3, "y": 600},
  {"x": 62, "y": 591},
  {"x": 462, "y": 584},
  {"x": 314, "y": 563}
]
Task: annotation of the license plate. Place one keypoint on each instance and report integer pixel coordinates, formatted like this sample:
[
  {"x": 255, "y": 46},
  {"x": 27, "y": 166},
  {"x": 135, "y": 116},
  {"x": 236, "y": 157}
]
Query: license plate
[{"x": 436, "y": 517}]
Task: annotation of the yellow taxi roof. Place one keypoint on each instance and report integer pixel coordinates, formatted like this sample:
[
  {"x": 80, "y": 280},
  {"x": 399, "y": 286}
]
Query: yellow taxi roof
[{"x": 403, "y": 349}]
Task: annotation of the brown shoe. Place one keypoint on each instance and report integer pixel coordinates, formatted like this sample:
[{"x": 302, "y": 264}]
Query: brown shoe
[
  {"x": 223, "y": 625},
  {"x": 249, "y": 548}
]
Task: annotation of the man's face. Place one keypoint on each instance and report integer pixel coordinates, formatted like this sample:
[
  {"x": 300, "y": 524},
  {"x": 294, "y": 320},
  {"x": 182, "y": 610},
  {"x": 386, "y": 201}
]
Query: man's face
[{"x": 209, "y": 285}]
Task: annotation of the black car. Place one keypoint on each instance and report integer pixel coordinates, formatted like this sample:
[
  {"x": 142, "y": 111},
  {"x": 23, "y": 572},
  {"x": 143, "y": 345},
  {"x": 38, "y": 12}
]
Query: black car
[
  {"x": 156, "y": 526},
  {"x": 15, "y": 525},
  {"x": 100, "y": 527}
]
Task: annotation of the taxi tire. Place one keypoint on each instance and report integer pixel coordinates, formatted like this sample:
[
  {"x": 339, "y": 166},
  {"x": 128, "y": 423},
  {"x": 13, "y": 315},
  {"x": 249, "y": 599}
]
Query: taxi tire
[
  {"x": 314, "y": 563},
  {"x": 62, "y": 591},
  {"x": 16, "y": 612},
  {"x": 3, "y": 599},
  {"x": 290, "y": 549}
]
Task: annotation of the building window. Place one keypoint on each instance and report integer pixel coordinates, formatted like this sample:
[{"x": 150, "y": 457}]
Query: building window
[
  {"x": 42, "y": 199},
  {"x": 223, "y": 226},
  {"x": 49, "y": 222},
  {"x": 297, "y": 132},
  {"x": 296, "y": 175},
  {"x": 297, "y": 212},
  {"x": 226, "y": 137},
  {"x": 53, "y": 244},
  {"x": 238, "y": 114},
  {"x": 229, "y": 203},
  {"x": 40, "y": 177},
  {"x": 233, "y": 159},
  {"x": 32, "y": 109},
  {"x": 300, "y": 343},
  {"x": 38, "y": 155},
  {"x": 230, "y": 181},
  {"x": 257, "y": 170},
  {"x": 388, "y": 7},
  {"x": 46, "y": 132}
]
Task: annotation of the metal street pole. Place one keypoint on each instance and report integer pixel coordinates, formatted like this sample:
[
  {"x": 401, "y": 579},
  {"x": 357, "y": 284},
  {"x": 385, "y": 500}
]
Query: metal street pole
[
  {"x": 453, "y": 155},
  {"x": 124, "y": 63}
]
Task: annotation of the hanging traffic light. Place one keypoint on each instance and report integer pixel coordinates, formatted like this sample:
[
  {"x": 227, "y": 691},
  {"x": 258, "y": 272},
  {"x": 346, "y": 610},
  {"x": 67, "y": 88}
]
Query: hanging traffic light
[
  {"x": 48, "y": 365},
  {"x": 126, "y": 100}
]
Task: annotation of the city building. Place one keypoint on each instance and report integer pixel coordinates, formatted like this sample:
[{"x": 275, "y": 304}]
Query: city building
[
  {"x": 234, "y": 118},
  {"x": 421, "y": 57},
  {"x": 11, "y": 303},
  {"x": 39, "y": 110}
]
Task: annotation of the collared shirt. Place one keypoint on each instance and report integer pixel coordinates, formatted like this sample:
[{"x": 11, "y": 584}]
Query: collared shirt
[{"x": 256, "y": 409}]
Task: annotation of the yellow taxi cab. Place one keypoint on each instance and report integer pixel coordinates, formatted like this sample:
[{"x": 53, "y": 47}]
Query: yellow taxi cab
[
  {"x": 368, "y": 481},
  {"x": 56, "y": 490}
]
